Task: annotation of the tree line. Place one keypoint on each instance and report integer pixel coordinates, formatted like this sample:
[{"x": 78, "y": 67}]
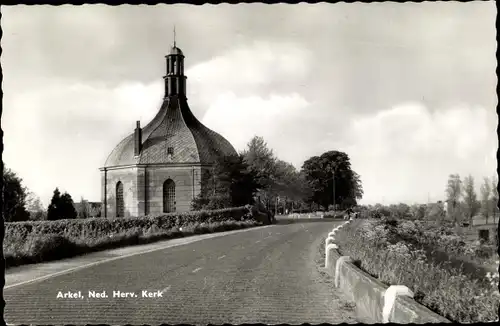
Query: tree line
[
  {"x": 20, "y": 204},
  {"x": 255, "y": 175},
  {"x": 461, "y": 204}
]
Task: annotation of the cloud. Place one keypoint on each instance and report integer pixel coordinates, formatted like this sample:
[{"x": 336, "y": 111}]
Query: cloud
[
  {"x": 254, "y": 64},
  {"x": 58, "y": 135},
  {"x": 410, "y": 147},
  {"x": 239, "y": 119},
  {"x": 245, "y": 70},
  {"x": 337, "y": 77},
  {"x": 70, "y": 126}
]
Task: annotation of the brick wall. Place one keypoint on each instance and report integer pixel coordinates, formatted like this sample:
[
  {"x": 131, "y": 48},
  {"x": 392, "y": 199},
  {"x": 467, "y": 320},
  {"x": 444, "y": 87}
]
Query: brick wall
[
  {"x": 183, "y": 178},
  {"x": 143, "y": 188},
  {"x": 128, "y": 177}
]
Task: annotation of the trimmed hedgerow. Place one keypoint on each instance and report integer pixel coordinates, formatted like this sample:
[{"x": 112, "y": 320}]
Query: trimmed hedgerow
[
  {"x": 37, "y": 241},
  {"x": 95, "y": 227}
]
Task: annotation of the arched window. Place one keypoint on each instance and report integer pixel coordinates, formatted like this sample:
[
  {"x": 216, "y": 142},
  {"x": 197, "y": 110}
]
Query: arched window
[
  {"x": 169, "y": 196},
  {"x": 120, "y": 210}
]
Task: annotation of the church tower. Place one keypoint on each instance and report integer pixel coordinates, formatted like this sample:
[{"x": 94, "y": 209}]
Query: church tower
[
  {"x": 175, "y": 81},
  {"x": 161, "y": 168}
]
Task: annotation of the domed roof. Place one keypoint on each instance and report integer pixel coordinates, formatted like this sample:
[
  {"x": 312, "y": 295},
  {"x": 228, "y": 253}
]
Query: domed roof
[
  {"x": 175, "y": 129},
  {"x": 175, "y": 51}
]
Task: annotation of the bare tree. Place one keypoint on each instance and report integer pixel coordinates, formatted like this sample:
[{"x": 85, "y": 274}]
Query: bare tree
[
  {"x": 494, "y": 195},
  {"x": 95, "y": 211},
  {"x": 470, "y": 198},
  {"x": 35, "y": 207},
  {"x": 486, "y": 198},
  {"x": 83, "y": 208},
  {"x": 454, "y": 192}
]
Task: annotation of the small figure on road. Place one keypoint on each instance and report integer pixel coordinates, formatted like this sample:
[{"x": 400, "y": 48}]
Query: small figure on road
[{"x": 349, "y": 213}]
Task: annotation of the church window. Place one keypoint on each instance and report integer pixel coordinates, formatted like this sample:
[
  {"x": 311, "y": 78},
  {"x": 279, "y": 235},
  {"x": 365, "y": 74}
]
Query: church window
[
  {"x": 169, "y": 196},
  {"x": 120, "y": 209}
]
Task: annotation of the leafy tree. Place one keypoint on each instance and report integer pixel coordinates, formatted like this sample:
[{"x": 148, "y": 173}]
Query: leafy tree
[
  {"x": 231, "y": 183},
  {"x": 382, "y": 211},
  {"x": 53, "y": 209},
  {"x": 470, "y": 199},
  {"x": 275, "y": 178},
  {"x": 261, "y": 161},
  {"x": 486, "y": 198},
  {"x": 418, "y": 212},
  {"x": 435, "y": 211},
  {"x": 34, "y": 207},
  {"x": 330, "y": 175},
  {"x": 290, "y": 185},
  {"x": 14, "y": 197},
  {"x": 453, "y": 193},
  {"x": 68, "y": 206},
  {"x": 401, "y": 211},
  {"x": 61, "y": 207},
  {"x": 241, "y": 180}
]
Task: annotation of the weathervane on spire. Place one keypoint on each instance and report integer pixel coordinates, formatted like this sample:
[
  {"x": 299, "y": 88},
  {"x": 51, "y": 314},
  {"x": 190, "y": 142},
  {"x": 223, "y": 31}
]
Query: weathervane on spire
[{"x": 174, "y": 35}]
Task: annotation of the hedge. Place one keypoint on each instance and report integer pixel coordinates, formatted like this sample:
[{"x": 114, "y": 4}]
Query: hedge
[{"x": 97, "y": 227}]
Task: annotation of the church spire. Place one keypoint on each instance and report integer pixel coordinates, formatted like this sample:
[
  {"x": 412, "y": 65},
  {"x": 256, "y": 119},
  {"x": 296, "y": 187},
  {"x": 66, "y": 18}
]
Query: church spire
[
  {"x": 175, "y": 81},
  {"x": 174, "y": 36}
]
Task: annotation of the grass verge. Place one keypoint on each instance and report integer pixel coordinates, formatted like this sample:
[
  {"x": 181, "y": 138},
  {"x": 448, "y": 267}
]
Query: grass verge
[
  {"x": 377, "y": 249},
  {"x": 37, "y": 248}
]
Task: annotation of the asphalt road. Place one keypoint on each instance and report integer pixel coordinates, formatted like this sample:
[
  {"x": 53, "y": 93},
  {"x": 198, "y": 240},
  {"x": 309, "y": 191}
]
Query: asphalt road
[{"x": 265, "y": 275}]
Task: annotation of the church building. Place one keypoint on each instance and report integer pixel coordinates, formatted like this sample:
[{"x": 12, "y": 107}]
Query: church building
[{"x": 161, "y": 167}]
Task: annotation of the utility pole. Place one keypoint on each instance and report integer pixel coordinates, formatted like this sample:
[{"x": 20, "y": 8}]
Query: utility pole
[
  {"x": 213, "y": 178},
  {"x": 333, "y": 184}
]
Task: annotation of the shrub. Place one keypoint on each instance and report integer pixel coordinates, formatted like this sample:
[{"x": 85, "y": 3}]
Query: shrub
[
  {"x": 35, "y": 241},
  {"x": 84, "y": 228},
  {"x": 333, "y": 214},
  {"x": 440, "y": 287},
  {"x": 38, "y": 247}
]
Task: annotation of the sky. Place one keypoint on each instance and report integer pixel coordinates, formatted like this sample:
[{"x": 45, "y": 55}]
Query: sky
[{"x": 407, "y": 90}]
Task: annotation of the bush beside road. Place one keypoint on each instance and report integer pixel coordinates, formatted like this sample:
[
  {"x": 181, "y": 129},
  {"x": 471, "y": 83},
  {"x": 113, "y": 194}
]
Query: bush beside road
[
  {"x": 39, "y": 241},
  {"x": 382, "y": 249}
]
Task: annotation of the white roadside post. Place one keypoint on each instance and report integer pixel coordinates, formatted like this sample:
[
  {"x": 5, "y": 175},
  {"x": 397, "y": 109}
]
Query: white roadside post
[
  {"x": 327, "y": 252},
  {"x": 328, "y": 241},
  {"x": 337, "y": 269},
  {"x": 390, "y": 298}
]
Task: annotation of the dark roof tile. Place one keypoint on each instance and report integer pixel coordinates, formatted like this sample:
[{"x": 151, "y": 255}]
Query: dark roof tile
[{"x": 174, "y": 126}]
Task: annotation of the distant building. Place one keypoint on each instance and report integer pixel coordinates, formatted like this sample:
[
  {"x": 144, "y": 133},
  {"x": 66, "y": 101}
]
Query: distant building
[
  {"x": 94, "y": 208},
  {"x": 482, "y": 229},
  {"x": 161, "y": 167},
  {"x": 485, "y": 229}
]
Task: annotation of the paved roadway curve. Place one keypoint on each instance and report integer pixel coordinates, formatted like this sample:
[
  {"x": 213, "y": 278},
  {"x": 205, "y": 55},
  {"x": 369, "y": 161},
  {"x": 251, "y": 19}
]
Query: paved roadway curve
[{"x": 264, "y": 275}]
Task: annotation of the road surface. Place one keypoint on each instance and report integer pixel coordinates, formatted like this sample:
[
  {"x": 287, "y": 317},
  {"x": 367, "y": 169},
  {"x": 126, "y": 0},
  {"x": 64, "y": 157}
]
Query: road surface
[{"x": 264, "y": 275}]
